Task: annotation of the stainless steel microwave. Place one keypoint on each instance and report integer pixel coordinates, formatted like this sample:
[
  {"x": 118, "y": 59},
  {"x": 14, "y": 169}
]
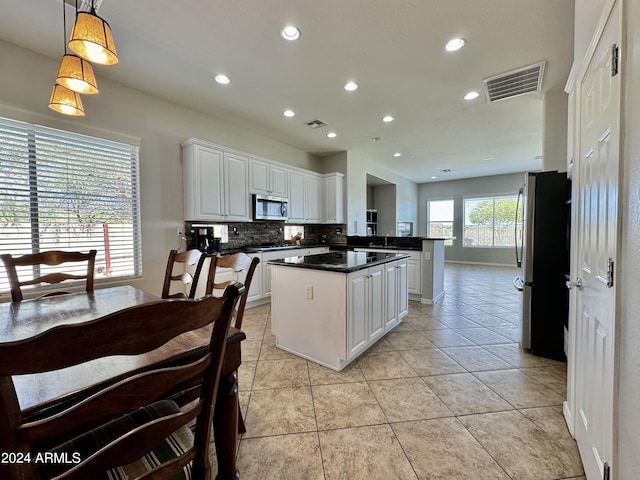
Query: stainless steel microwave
[{"x": 266, "y": 207}]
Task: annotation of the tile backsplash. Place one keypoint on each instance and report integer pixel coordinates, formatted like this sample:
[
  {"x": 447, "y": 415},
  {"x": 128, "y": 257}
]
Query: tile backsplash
[{"x": 251, "y": 233}]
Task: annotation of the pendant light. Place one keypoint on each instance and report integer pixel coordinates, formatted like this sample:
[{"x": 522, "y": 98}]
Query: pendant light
[
  {"x": 66, "y": 101},
  {"x": 91, "y": 38},
  {"x": 75, "y": 73}
]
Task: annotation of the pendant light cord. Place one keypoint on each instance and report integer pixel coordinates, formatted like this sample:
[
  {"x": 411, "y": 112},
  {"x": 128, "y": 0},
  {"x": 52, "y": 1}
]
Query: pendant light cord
[{"x": 64, "y": 26}]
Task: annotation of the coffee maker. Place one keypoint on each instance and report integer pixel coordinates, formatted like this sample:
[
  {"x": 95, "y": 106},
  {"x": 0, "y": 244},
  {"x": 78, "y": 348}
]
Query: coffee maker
[{"x": 204, "y": 239}]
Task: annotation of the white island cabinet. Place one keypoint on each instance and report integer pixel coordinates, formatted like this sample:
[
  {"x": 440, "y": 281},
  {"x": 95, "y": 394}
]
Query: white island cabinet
[{"x": 331, "y": 308}]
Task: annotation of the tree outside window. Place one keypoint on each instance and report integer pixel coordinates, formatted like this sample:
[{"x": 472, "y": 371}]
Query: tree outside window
[{"x": 490, "y": 222}]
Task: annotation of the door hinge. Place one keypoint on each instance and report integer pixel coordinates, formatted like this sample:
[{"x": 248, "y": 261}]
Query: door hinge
[
  {"x": 606, "y": 472},
  {"x": 610, "y": 267},
  {"x": 614, "y": 59}
]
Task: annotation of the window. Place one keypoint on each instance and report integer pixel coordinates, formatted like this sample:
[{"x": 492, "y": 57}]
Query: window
[
  {"x": 64, "y": 191},
  {"x": 222, "y": 232},
  {"x": 292, "y": 231},
  {"x": 440, "y": 219},
  {"x": 490, "y": 221}
]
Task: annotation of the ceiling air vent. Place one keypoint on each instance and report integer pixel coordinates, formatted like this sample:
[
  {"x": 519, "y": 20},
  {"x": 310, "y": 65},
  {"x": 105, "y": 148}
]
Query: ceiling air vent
[
  {"x": 316, "y": 123},
  {"x": 517, "y": 82}
]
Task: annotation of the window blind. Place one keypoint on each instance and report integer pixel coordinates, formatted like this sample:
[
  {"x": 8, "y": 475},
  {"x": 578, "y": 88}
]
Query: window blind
[{"x": 64, "y": 191}]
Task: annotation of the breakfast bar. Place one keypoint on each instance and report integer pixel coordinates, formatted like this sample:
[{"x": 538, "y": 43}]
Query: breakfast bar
[{"x": 331, "y": 308}]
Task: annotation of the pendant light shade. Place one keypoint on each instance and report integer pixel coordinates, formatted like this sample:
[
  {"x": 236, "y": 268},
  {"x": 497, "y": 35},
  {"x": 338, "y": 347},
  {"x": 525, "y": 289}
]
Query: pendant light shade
[
  {"x": 66, "y": 101},
  {"x": 76, "y": 74},
  {"x": 92, "y": 40}
]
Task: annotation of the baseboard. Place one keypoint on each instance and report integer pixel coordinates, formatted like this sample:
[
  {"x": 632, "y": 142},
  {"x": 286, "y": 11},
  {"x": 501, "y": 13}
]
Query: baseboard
[
  {"x": 432, "y": 301},
  {"x": 486, "y": 264}
]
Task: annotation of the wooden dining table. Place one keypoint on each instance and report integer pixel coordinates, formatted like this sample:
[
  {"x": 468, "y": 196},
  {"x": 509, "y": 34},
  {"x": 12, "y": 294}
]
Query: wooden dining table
[{"x": 44, "y": 393}]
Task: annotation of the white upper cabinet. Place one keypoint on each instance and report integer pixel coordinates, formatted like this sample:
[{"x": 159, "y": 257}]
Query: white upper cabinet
[
  {"x": 313, "y": 198},
  {"x": 296, "y": 197},
  {"x": 219, "y": 182},
  {"x": 215, "y": 184},
  {"x": 333, "y": 186},
  {"x": 267, "y": 178},
  {"x": 236, "y": 192},
  {"x": 305, "y": 197}
]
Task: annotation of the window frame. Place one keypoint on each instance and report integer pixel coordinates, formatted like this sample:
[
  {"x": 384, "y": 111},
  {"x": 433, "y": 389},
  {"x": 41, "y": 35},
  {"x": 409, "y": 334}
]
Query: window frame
[
  {"x": 48, "y": 154},
  {"x": 448, "y": 242},
  {"x": 493, "y": 198}
]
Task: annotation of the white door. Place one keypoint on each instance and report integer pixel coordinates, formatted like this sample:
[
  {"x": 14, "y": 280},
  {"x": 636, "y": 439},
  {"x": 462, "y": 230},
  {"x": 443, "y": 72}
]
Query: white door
[{"x": 597, "y": 208}]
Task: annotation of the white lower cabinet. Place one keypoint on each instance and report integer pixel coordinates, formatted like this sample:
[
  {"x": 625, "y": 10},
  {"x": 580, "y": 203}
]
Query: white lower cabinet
[
  {"x": 365, "y": 299},
  {"x": 227, "y": 274},
  {"x": 396, "y": 295},
  {"x": 265, "y": 269},
  {"x": 403, "y": 290},
  {"x": 377, "y": 300},
  {"x": 414, "y": 270},
  {"x": 413, "y": 267}
]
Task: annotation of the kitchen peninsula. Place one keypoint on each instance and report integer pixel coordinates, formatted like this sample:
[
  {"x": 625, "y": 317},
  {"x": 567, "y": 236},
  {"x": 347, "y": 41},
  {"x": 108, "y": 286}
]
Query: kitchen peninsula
[
  {"x": 425, "y": 266},
  {"x": 330, "y": 308}
]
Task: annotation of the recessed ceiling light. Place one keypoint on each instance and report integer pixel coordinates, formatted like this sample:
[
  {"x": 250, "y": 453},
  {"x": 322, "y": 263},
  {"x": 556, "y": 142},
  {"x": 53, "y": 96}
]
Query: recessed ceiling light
[
  {"x": 433, "y": 177},
  {"x": 222, "y": 79},
  {"x": 290, "y": 32},
  {"x": 350, "y": 86},
  {"x": 397, "y": 154},
  {"x": 388, "y": 118},
  {"x": 376, "y": 139},
  {"x": 289, "y": 113},
  {"x": 454, "y": 44},
  {"x": 332, "y": 135},
  {"x": 471, "y": 96}
]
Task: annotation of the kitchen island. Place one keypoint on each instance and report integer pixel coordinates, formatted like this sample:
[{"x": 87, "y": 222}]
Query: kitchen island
[{"x": 330, "y": 308}]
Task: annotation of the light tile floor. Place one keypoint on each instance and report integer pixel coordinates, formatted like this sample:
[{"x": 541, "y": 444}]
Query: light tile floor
[{"x": 447, "y": 395}]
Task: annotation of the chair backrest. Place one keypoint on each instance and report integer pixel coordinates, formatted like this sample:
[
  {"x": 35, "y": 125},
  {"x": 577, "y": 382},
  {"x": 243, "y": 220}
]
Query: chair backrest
[
  {"x": 126, "y": 332},
  {"x": 49, "y": 258},
  {"x": 240, "y": 263},
  {"x": 190, "y": 258}
]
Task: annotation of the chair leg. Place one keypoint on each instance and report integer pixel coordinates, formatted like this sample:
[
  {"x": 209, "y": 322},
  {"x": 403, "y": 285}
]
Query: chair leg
[{"x": 241, "y": 427}]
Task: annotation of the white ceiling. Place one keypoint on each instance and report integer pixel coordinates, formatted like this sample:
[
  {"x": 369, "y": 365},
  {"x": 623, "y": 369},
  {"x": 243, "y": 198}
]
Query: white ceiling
[{"x": 394, "y": 49}]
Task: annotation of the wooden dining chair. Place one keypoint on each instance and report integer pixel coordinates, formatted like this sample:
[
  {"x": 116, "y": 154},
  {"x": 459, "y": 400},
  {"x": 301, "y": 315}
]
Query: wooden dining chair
[
  {"x": 190, "y": 258},
  {"x": 244, "y": 267},
  {"x": 127, "y": 429},
  {"x": 37, "y": 274}
]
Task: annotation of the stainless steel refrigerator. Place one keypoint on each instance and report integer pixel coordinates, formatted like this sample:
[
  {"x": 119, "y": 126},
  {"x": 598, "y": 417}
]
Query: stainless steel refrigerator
[{"x": 542, "y": 253}]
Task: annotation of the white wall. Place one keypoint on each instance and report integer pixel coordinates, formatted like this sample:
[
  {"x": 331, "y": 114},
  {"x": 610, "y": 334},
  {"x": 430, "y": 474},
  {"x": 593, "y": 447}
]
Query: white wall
[
  {"x": 587, "y": 13},
  {"x": 26, "y": 79},
  {"x": 458, "y": 190},
  {"x": 384, "y": 201},
  {"x": 357, "y": 169},
  {"x": 629, "y": 338},
  {"x": 554, "y": 131}
]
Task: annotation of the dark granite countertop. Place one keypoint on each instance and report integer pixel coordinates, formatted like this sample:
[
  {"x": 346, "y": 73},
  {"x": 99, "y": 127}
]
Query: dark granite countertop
[
  {"x": 388, "y": 242},
  {"x": 271, "y": 248},
  {"x": 339, "y": 261}
]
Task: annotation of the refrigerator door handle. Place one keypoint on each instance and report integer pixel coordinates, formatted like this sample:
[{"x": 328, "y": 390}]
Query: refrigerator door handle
[
  {"x": 518, "y": 254},
  {"x": 518, "y": 284}
]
